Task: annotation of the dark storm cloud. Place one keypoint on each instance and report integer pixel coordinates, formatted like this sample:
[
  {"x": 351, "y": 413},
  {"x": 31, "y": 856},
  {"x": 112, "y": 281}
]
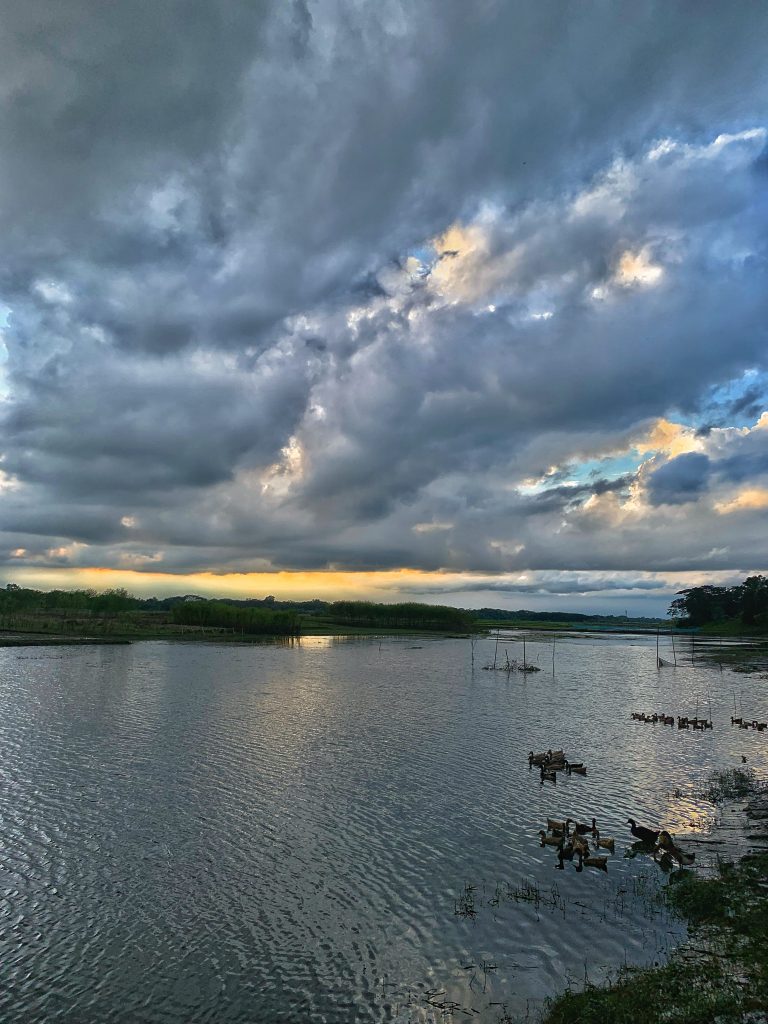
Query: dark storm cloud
[
  {"x": 679, "y": 480},
  {"x": 206, "y": 213}
]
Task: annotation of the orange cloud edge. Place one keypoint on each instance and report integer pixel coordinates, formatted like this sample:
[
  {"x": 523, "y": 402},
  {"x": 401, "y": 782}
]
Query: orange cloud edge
[{"x": 381, "y": 585}]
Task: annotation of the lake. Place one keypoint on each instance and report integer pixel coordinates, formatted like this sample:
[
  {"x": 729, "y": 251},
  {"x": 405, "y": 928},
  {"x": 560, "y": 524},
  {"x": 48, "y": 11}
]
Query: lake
[{"x": 237, "y": 833}]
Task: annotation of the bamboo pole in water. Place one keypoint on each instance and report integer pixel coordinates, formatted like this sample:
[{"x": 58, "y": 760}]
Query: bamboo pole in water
[
  {"x": 554, "y": 638},
  {"x": 674, "y": 652}
]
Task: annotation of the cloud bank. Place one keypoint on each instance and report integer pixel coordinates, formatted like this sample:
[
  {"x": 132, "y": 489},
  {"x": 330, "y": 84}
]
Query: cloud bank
[{"x": 361, "y": 288}]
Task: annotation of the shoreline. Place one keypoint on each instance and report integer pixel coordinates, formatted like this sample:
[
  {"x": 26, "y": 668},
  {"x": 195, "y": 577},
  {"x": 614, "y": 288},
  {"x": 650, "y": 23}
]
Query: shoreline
[{"x": 720, "y": 972}]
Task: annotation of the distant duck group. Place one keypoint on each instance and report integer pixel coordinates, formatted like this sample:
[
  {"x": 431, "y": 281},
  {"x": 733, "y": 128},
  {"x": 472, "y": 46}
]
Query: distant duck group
[
  {"x": 743, "y": 723},
  {"x": 550, "y": 762},
  {"x": 683, "y": 721},
  {"x": 653, "y": 719}
]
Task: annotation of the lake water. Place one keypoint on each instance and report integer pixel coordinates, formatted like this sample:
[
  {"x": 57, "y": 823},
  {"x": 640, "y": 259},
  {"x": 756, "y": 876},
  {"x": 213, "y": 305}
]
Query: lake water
[{"x": 282, "y": 833}]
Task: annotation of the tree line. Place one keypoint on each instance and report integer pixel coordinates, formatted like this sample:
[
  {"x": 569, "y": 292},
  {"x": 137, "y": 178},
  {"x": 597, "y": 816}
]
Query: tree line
[
  {"x": 406, "y": 615},
  {"x": 259, "y": 621},
  {"x": 747, "y": 602}
]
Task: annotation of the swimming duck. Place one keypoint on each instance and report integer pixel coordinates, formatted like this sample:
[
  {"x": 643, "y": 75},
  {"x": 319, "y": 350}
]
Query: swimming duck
[
  {"x": 668, "y": 845},
  {"x": 556, "y": 826},
  {"x": 580, "y": 845},
  {"x": 606, "y": 844},
  {"x": 594, "y": 862},
  {"x": 645, "y": 835},
  {"x": 536, "y": 759},
  {"x": 581, "y": 829},
  {"x": 548, "y": 774},
  {"x": 550, "y": 840},
  {"x": 577, "y": 769}
]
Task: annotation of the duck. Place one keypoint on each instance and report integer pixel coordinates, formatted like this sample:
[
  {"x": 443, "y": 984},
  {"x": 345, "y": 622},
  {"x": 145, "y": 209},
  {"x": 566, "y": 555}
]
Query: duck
[
  {"x": 668, "y": 845},
  {"x": 683, "y": 859},
  {"x": 564, "y": 853},
  {"x": 536, "y": 759},
  {"x": 548, "y": 774},
  {"x": 593, "y": 862},
  {"x": 645, "y": 835},
  {"x": 582, "y": 829},
  {"x": 556, "y": 826},
  {"x": 606, "y": 844},
  {"x": 580, "y": 845},
  {"x": 550, "y": 840},
  {"x": 578, "y": 769}
]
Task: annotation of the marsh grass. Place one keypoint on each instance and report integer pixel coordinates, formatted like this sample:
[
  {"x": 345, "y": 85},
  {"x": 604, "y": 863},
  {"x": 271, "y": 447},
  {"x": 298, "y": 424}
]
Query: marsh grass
[{"x": 731, "y": 784}]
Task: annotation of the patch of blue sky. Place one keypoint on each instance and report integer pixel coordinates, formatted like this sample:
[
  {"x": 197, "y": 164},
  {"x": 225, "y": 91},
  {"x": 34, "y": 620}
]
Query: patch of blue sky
[
  {"x": 577, "y": 474},
  {"x": 735, "y": 403},
  {"x": 426, "y": 256}
]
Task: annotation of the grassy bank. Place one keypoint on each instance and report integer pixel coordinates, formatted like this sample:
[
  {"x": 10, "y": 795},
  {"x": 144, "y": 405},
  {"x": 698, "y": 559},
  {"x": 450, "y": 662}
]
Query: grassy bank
[
  {"x": 734, "y": 627},
  {"x": 580, "y": 625}
]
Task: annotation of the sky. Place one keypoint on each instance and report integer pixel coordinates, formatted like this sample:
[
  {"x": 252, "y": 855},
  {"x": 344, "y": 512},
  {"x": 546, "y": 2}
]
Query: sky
[{"x": 463, "y": 303}]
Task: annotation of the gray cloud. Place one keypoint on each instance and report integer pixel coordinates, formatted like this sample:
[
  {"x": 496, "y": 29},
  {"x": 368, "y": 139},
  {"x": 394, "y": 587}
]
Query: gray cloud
[
  {"x": 214, "y": 331},
  {"x": 679, "y": 480}
]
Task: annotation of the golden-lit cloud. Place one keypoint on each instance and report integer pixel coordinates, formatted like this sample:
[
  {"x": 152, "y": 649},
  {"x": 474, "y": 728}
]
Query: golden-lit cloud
[
  {"x": 672, "y": 439},
  {"x": 746, "y": 500},
  {"x": 636, "y": 268}
]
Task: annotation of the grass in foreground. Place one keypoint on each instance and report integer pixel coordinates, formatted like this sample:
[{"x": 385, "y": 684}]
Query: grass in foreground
[{"x": 720, "y": 975}]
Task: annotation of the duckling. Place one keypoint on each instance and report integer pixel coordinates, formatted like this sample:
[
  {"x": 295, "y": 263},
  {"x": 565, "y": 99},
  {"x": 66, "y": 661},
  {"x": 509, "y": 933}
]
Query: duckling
[
  {"x": 683, "y": 859},
  {"x": 549, "y": 840},
  {"x": 582, "y": 829},
  {"x": 555, "y": 826},
  {"x": 595, "y": 862},
  {"x": 566, "y": 851},
  {"x": 580, "y": 845},
  {"x": 665, "y": 840},
  {"x": 606, "y": 844},
  {"x": 668, "y": 845},
  {"x": 645, "y": 835}
]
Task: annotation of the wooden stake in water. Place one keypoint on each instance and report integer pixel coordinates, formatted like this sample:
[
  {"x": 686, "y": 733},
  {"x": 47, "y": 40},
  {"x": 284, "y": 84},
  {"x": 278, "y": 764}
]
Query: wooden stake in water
[
  {"x": 496, "y": 649},
  {"x": 674, "y": 652},
  {"x": 658, "y": 659},
  {"x": 554, "y": 638},
  {"x": 524, "y": 661}
]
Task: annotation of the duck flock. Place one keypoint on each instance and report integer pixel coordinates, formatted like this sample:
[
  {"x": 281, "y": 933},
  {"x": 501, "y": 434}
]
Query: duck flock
[
  {"x": 683, "y": 721},
  {"x": 582, "y": 843},
  {"x": 743, "y": 723},
  {"x": 553, "y": 761}
]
